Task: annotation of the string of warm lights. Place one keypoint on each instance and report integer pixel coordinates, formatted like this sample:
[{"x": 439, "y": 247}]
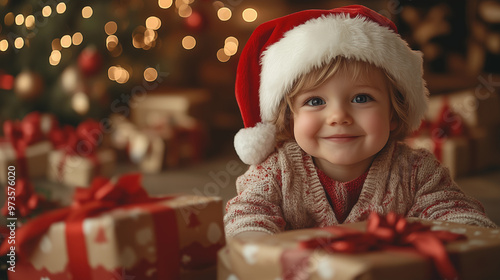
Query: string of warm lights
[{"x": 143, "y": 36}]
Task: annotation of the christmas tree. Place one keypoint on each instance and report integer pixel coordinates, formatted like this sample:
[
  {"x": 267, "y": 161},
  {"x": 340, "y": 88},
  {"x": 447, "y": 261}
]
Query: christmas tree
[{"x": 86, "y": 59}]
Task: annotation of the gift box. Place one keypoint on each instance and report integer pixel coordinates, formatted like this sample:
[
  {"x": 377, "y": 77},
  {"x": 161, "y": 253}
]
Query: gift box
[
  {"x": 116, "y": 231},
  {"x": 78, "y": 171},
  {"x": 441, "y": 250},
  {"x": 35, "y": 157},
  {"x": 476, "y": 107},
  {"x": 78, "y": 156},
  {"x": 179, "y": 141},
  {"x": 157, "y": 107},
  {"x": 25, "y": 146},
  {"x": 470, "y": 152}
]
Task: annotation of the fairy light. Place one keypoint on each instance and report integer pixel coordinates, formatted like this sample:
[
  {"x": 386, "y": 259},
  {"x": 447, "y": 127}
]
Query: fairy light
[
  {"x": 188, "y": 42},
  {"x": 165, "y": 4},
  {"x": 118, "y": 74},
  {"x": 150, "y": 37},
  {"x": 87, "y": 12},
  {"x": 19, "y": 20},
  {"x": 110, "y": 27},
  {"x": 111, "y": 42},
  {"x": 249, "y": 15},
  {"x": 230, "y": 48},
  {"x": 30, "y": 22},
  {"x": 56, "y": 44},
  {"x": 77, "y": 38},
  {"x": 80, "y": 103},
  {"x": 224, "y": 14},
  {"x": 153, "y": 22},
  {"x": 185, "y": 10},
  {"x": 4, "y": 45},
  {"x": 150, "y": 74},
  {"x": 55, "y": 57},
  {"x": 221, "y": 56},
  {"x": 61, "y": 8},
  {"x": 19, "y": 43},
  {"x": 9, "y": 19},
  {"x": 46, "y": 11},
  {"x": 66, "y": 41}
]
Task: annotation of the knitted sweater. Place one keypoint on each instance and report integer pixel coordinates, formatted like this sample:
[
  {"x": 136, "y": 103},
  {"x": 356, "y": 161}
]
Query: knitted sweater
[{"x": 284, "y": 192}]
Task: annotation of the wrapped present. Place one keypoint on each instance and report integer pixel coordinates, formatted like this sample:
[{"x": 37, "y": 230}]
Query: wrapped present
[
  {"x": 455, "y": 153},
  {"x": 156, "y": 108},
  {"x": 381, "y": 248},
  {"x": 474, "y": 107},
  {"x": 25, "y": 146},
  {"x": 78, "y": 159},
  {"x": 462, "y": 149},
  {"x": 116, "y": 231},
  {"x": 180, "y": 140}
]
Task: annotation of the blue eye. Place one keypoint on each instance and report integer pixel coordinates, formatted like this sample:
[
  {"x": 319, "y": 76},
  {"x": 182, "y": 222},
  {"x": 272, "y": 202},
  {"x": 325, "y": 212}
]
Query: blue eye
[
  {"x": 362, "y": 98},
  {"x": 315, "y": 101}
]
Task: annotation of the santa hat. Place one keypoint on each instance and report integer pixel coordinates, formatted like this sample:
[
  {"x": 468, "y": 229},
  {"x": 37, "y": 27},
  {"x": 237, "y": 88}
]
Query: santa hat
[{"x": 281, "y": 50}]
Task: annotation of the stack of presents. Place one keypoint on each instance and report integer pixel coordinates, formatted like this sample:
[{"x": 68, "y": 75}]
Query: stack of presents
[
  {"x": 462, "y": 129},
  {"x": 113, "y": 229}
]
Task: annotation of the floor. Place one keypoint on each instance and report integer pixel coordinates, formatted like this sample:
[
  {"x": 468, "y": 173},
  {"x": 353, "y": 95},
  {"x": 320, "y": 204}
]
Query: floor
[{"x": 217, "y": 175}]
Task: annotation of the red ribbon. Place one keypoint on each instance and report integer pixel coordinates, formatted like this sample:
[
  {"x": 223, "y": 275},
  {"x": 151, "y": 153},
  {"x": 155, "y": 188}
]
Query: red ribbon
[
  {"x": 382, "y": 233},
  {"x": 82, "y": 141},
  {"x": 103, "y": 195},
  {"x": 26, "y": 199},
  {"x": 448, "y": 124}
]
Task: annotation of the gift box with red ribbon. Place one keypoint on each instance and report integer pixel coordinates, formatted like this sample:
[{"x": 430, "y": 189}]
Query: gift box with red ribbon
[
  {"x": 384, "y": 247},
  {"x": 78, "y": 156},
  {"x": 25, "y": 146},
  {"x": 456, "y": 143},
  {"x": 114, "y": 230},
  {"x": 176, "y": 140}
]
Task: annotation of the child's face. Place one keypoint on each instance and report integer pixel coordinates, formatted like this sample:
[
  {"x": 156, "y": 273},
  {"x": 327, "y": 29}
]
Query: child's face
[{"x": 344, "y": 122}]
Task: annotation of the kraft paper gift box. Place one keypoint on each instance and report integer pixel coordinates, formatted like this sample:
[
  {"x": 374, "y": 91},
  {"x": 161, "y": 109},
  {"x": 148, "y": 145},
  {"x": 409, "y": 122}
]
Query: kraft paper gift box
[
  {"x": 475, "y": 107},
  {"x": 36, "y": 158},
  {"x": 475, "y": 257},
  {"x": 454, "y": 152},
  {"x": 157, "y": 107},
  {"x": 78, "y": 171},
  {"x": 168, "y": 238}
]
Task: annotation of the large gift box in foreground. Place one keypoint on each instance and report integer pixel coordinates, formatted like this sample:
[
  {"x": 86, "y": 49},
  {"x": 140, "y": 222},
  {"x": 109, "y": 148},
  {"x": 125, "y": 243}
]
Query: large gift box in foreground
[
  {"x": 140, "y": 238},
  {"x": 346, "y": 252}
]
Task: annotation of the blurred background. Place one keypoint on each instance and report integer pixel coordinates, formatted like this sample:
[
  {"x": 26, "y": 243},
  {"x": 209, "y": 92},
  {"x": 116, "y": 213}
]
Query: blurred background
[{"x": 158, "y": 77}]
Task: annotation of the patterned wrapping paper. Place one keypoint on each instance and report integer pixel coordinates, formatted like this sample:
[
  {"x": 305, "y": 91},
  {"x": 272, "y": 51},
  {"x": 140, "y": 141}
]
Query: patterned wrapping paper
[
  {"x": 262, "y": 258},
  {"x": 78, "y": 171},
  {"x": 122, "y": 243}
]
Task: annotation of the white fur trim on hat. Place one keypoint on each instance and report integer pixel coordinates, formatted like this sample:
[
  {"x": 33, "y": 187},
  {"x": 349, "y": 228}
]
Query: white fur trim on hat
[
  {"x": 254, "y": 144},
  {"x": 319, "y": 40}
]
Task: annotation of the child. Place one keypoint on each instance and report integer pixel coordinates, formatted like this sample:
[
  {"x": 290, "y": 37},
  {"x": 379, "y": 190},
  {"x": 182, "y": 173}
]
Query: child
[{"x": 325, "y": 96}]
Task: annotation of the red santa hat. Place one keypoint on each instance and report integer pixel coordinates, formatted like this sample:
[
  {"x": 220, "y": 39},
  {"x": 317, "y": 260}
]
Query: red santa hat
[{"x": 281, "y": 50}]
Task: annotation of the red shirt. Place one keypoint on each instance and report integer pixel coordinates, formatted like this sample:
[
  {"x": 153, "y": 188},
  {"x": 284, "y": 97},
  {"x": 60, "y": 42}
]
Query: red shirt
[{"x": 342, "y": 195}]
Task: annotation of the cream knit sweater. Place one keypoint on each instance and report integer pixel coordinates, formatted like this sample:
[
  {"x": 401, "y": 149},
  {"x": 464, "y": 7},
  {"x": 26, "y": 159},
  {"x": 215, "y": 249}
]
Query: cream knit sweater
[{"x": 284, "y": 192}]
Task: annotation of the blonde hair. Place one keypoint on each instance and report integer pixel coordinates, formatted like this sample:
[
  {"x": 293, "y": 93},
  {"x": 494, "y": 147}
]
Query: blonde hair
[{"x": 316, "y": 77}]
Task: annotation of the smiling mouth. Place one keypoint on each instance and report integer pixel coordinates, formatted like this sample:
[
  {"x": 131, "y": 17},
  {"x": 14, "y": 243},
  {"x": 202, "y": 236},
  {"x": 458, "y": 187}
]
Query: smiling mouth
[{"x": 341, "y": 138}]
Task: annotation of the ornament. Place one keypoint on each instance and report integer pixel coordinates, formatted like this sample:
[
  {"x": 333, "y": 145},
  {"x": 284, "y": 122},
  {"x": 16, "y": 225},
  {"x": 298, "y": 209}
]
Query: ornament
[
  {"x": 71, "y": 80},
  {"x": 28, "y": 85},
  {"x": 90, "y": 61},
  {"x": 195, "y": 22}
]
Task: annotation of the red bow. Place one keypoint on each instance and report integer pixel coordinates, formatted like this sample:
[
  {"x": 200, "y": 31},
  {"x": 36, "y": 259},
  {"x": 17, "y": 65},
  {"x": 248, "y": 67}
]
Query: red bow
[
  {"x": 26, "y": 199},
  {"x": 82, "y": 141},
  {"x": 390, "y": 232}
]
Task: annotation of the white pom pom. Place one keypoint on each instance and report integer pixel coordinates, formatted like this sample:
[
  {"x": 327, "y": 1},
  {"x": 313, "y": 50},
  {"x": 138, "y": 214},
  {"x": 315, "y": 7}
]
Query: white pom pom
[{"x": 254, "y": 144}]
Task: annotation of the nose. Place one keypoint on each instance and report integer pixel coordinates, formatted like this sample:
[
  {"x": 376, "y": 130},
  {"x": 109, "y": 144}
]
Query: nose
[{"x": 339, "y": 116}]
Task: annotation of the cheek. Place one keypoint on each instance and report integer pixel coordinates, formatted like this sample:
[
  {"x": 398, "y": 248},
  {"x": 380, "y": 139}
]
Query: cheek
[{"x": 305, "y": 125}]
